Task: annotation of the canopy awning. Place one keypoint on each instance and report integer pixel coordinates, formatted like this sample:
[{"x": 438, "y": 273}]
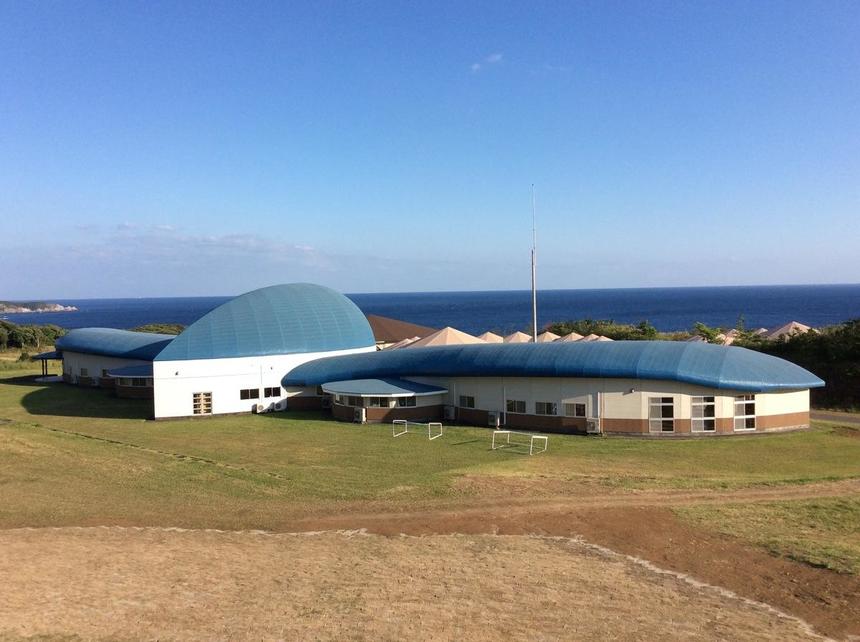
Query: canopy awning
[
  {"x": 143, "y": 370},
  {"x": 381, "y": 388},
  {"x": 44, "y": 356}
]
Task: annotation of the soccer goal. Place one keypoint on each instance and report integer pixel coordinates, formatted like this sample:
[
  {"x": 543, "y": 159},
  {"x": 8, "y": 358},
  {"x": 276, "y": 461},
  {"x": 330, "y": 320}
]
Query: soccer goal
[
  {"x": 403, "y": 426},
  {"x": 502, "y": 439}
]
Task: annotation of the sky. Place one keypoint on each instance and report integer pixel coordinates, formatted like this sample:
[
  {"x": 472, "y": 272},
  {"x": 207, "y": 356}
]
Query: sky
[{"x": 183, "y": 148}]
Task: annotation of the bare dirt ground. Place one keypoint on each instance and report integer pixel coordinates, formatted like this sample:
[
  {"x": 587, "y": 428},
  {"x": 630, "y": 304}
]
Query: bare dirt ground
[
  {"x": 482, "y": 568},
  {"x": 120, "y": 583},
  {"x": 641, "y": 525}
]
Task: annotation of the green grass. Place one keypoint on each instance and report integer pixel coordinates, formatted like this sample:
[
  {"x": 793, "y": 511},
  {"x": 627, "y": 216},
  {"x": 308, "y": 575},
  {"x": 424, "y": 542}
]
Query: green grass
[
  {"x": 81, "y": 456},
  {"x": 822, "y": 532}
]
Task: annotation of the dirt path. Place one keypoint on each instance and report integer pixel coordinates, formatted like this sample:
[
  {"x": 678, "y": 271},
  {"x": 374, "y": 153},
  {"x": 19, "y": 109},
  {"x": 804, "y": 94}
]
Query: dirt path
[
  {"x": 167, "y": 584},
  {"x": 514, "y": 496},
  {"x": 852, "y": 418}
]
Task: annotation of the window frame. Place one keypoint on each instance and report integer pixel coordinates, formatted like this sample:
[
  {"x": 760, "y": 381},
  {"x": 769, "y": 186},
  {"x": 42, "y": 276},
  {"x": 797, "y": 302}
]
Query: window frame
[
  {"x": 745, "y": 401},
  {"x": 407, "y": 402},
  {"x": 467, "y": 401},
  {"x": 543, "y": 408},
  {"x": 511, "y": 406},
  {"x": 247, "y": 394},
  {"x": 661, "y": 402},
  {"x": 704, "y": 403},
  {"x": 575, "y": 406},
  {"x": 201, "y": 403}
]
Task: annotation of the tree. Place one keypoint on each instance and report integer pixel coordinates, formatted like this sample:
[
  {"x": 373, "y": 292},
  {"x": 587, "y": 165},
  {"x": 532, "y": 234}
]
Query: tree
[{"x": 709, "y": 334}]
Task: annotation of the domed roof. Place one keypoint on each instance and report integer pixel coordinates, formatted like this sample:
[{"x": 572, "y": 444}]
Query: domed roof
[{"x": 280, "y": 319}]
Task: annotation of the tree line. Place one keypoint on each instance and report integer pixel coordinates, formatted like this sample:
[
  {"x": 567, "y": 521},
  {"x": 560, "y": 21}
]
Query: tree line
[{"x": 25, "y": 337}]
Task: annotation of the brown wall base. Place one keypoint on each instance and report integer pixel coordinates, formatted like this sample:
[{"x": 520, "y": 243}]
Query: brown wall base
[
  {"x": 304, "y": 403},
  {"x": 387, "y": 415},
  {"x": 724, "y": 425},
  {"x": 545, "y": 423}
]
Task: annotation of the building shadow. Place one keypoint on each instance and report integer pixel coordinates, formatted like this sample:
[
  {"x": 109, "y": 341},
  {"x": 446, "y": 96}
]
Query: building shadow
[{"x": 63, "y": 400}]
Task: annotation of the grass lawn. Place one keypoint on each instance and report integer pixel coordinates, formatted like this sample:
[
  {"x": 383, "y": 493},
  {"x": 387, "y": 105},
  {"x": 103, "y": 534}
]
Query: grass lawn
[
  {"x": 81, "y": 456},
  {"x": 823, "y": 532}
]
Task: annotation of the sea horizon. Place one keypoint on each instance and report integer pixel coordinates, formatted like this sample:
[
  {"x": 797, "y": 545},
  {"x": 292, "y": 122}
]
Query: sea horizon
[
  {"x": 62, "y": 300},
  {"x": 668, "y": 309}
]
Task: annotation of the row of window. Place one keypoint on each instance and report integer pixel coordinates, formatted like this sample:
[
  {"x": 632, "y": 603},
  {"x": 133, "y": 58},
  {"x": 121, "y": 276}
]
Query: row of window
[
  {"x": 254, "y": 393},
  {"x": 661, "y": 414},
  {"x": 138, "y": 382},
  {"x": 661, "y": 411},
  {"x": 375, "y": 402},
  {"x": 135, "y": 381},
  {"x": 518, "y": 406}
]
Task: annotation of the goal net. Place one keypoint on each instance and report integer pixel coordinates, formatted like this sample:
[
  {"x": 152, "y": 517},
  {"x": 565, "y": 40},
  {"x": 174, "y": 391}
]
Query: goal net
[
  {"x": 535, "y": 444},
  {"x": 402, "y": 427}
]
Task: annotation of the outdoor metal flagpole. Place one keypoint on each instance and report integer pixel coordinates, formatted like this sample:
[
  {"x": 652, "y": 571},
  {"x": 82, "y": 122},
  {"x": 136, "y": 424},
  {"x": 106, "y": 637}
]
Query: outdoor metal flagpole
[{"x": 534, "y": 268}]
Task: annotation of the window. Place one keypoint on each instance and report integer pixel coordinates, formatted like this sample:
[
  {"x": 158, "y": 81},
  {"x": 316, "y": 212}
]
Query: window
[
  {"x": 377, "y": 402},
  {"x": 272, "y": 392},
  {"x": 703, "y": 414},
  {"x": 124, "y": 381},
  {"x": 545, "y": 408},
  {"x": 339, "y": 399},
  {"x": 574, "y": 410},
  {"x": 249, "y": 393},
  {"x": 406, "y": 402},
  {"x": 358, "y": 402},
  {"x": 202, "y": 403},
  {"x": 85, "y": 372},
  {"x": 745, "y": 412},
  {"x": 467, "y": 401},
  {"x": 661, "y": 414},
  {"x": 518, "y": 407},
  {"x": 139, "y": 382}
]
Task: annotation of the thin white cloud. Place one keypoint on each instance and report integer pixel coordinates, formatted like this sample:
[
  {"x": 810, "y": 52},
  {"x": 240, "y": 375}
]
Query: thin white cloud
[{"x": 491, "y": 59}]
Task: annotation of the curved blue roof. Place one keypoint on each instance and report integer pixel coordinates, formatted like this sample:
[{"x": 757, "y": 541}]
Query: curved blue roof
[
  {"x": 703, "y": 364},
  {"x": 381, "y": 388},
  {"x": 111, "y": 342},
  {"x": 280, "y": 319},
  {"x": 144, "y": 370}
]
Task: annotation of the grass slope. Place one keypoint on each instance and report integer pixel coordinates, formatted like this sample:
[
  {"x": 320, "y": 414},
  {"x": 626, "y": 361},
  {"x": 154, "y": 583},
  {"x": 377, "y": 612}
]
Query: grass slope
[
  {"x": 71, "y": 456},
  {"x": 823, "y": 532}
]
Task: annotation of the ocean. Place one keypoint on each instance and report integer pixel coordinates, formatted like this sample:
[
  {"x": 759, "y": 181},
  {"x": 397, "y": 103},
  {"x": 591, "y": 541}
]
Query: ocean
[{"x": 667, "y": 309}]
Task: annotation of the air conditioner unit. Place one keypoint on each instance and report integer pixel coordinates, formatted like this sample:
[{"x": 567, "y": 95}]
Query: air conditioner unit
[
  {"x": 280, "y": 405},
  {"x": 592, "y": 426},
  {"x": 257, "y": 408},
  {"x": 493, "y": 420},
  {"x": 450, "y": 413},
  {"x": 326, "y": 402},
  {"x": 360, "y": 415}
]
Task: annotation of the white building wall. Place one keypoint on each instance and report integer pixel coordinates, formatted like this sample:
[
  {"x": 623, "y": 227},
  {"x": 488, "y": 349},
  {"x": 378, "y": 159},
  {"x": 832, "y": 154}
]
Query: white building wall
[
  {"x": 782, "y": 403},
  {"x": 614, "y": 398},
  {"x": 175, "y": 382},
  {"x": 94, "y": 364}
]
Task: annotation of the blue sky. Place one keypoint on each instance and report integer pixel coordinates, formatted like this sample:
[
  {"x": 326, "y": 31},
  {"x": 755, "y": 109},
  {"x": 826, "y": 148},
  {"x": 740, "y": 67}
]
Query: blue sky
[{"x": 179, "y": 148}]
